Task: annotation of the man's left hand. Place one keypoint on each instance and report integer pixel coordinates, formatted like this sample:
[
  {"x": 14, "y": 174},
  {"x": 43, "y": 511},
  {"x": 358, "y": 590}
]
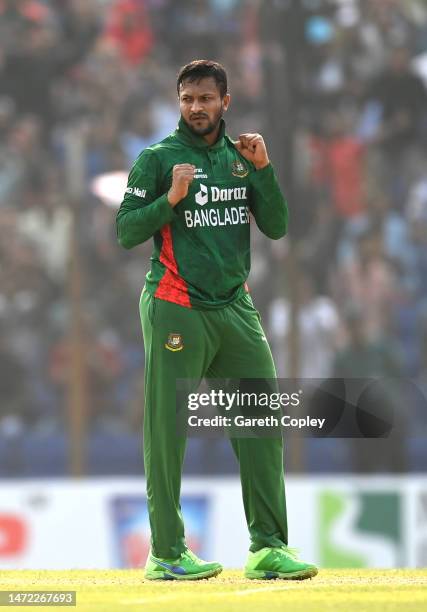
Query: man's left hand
[{"x": 252, "y": 147}]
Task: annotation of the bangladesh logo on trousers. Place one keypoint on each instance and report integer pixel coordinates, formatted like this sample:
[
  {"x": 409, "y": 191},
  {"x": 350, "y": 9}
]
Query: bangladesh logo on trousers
[{"x": 174, "y": 342}]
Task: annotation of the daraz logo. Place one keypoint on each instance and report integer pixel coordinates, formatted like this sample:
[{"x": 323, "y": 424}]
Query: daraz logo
[
  {"x": 219, "y": 195},
  {"x": 202, "y": 195},
  {"x": 360, "y": 529}
]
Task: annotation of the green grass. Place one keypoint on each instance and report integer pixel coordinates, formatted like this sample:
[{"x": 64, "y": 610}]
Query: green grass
[{"x": 337, "y": 590}]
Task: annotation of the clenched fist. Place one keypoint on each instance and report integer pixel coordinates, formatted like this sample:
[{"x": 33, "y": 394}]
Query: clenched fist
[
  {"x": 182, "y": 177},
  {"x": 252, "y": 147}
]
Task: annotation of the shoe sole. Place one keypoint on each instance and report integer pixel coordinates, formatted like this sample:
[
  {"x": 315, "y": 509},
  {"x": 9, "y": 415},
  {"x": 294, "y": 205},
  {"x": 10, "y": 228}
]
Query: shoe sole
[
  {"x": 166, "y": 575},
  {"x": 265, "y": 575}
]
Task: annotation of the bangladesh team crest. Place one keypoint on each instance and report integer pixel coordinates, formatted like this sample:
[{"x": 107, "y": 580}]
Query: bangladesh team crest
[
  {"x": 239, "y": 169},
  {"x": 174, "y": 342}
]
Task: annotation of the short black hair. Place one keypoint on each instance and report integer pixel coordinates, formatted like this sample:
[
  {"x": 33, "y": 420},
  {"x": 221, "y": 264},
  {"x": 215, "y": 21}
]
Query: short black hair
[{"x": 201, "y": 69}]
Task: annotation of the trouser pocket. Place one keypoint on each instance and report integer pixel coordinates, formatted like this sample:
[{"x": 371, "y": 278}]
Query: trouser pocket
[
  {"x": 147, "y": 306},
  {"x": 152, "y": 309}
]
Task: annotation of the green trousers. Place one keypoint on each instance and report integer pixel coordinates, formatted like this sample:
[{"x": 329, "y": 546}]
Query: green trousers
[{"x": 187, "y": 343}]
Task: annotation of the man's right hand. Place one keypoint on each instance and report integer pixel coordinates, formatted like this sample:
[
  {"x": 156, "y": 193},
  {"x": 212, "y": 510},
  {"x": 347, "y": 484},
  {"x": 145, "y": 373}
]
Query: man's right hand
[{"x": 182, "y": 177}]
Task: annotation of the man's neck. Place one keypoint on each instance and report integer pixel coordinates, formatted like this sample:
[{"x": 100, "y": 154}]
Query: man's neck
[
  {"x": 201, "y": 140},
  {"x": 213, "y": 136}
]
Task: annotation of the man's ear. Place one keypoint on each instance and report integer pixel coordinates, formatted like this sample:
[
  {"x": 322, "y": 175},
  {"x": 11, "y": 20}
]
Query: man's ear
[{"x": 226, "y": 101}]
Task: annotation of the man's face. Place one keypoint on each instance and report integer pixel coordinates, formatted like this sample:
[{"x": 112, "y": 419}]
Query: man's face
[{"x": 201, "y": 105}]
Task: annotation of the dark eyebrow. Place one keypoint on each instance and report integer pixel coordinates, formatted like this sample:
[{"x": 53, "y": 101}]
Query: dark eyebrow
[{"x": 207, "y": 93}]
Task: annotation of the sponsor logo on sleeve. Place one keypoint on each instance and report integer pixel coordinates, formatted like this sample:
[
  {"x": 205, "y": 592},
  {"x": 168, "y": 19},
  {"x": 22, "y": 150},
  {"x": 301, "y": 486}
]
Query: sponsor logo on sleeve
[{"x": 140, "y": 193}]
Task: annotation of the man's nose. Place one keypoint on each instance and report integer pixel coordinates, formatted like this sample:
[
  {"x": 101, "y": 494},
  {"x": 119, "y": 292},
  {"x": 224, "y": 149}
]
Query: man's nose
[{"x": 196, "y": 106}]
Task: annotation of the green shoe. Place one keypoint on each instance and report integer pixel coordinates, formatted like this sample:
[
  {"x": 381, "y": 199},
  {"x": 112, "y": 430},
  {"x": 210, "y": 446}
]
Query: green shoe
[
  {"x": 187, "y": 567},
  {"x": 283, "y": 562}
]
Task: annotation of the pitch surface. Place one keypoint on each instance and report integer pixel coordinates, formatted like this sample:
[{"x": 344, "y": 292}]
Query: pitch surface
[{"x": 348, "y": 590}]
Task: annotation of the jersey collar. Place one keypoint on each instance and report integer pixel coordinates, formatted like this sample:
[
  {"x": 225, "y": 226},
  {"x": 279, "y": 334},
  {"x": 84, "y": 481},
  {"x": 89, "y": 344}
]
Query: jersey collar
[{"x": 184, "y": 134}]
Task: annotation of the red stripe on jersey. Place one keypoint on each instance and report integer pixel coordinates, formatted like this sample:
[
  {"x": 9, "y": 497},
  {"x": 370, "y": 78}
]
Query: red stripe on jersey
[{"x": 172, "y": 287}]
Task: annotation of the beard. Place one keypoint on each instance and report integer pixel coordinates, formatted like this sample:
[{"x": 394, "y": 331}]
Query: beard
[{"x": 210, "y": 127}]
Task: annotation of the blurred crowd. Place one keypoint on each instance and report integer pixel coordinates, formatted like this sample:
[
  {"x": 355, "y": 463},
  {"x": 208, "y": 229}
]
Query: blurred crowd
[{"x": 106, "y": 70}]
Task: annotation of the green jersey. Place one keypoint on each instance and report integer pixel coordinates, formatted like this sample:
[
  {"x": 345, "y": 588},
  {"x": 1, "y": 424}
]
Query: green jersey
[{"x": 201, "y": 255}]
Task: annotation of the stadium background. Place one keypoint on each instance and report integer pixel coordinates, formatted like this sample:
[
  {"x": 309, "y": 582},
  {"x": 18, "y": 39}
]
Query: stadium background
[{"x": 337, "y": 87}]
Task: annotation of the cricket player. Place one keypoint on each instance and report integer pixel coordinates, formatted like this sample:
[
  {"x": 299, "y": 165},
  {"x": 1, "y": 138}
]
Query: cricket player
[{"x": 195, "y": 193}]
